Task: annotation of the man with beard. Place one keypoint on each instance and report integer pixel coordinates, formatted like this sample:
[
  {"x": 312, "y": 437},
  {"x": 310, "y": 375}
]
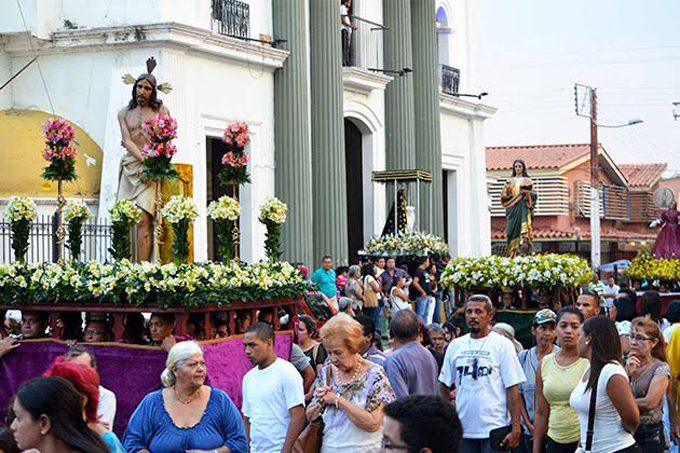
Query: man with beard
[
  {"x": 483, "y": 367},
  {"x": 273, "y": 399},
  {"x": 131, "y": 184}
]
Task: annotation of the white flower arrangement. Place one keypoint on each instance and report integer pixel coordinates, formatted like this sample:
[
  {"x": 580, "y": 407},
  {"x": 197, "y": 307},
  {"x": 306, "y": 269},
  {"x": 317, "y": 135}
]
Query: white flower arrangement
[
  {"x": 180, "y": 208},
  {"x": 415, "y": 243},
  {"x": 274, "y": 210},
  {"x": 536, "y": 271},
  {"x": 20, "y": 208},
  {"x": 126, "y": 211},
  {"x": 224, "y": 208},
  {"x": 75, "y": 209},
  {"x": 187, "y": 285}
]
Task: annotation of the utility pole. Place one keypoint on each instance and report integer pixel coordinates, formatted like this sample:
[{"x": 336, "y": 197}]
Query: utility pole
[
  {"x": 594, "y": 184},
  {"x": 581, "y": 94}
]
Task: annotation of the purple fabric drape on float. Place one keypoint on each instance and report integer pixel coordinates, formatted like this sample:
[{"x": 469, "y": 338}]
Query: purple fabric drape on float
[{"x": 131, "y": 372}]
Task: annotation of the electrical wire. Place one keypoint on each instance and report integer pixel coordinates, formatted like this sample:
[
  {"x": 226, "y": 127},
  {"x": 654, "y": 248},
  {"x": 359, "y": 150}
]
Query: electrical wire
[{"x": 30, "y": 43}]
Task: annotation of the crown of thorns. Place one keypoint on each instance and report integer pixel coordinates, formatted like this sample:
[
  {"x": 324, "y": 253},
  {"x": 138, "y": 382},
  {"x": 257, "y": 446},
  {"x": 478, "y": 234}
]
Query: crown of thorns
[{"x": 151, "y": 64}]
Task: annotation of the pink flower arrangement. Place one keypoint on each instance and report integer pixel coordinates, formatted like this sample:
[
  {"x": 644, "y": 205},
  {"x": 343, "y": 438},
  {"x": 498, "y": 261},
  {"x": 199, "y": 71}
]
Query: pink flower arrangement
[
  {"x": 59, "y": 153},
  {"x": 155, "y": 149},
  {"x": 161, "y": 129},
  {"x": 58, "y": 132},
  {"x": 237, "y": 134},
  {"x": 233, "y": 160}
]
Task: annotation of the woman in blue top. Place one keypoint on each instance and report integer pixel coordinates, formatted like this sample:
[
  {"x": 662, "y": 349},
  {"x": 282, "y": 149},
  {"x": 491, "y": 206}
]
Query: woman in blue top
[{"x": 186, "y": 415}]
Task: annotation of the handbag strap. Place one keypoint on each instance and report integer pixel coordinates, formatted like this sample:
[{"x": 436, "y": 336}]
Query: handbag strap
[
  {"x": 591, "y": 416},
  {"x": 329, "y": 371}
]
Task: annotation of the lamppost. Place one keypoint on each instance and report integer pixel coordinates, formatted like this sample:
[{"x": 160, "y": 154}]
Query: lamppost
[{"x": 595, "y": 245}]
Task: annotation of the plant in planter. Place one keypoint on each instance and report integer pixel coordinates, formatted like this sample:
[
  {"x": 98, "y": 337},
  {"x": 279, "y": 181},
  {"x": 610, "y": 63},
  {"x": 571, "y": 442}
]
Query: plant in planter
[
  {"x": 20, "y": 213},
  {"x": 180, "y": 212},
  {"x": 124, "y": 214},
  {"x": 75, "y": 213},
  {"x": 273, "y": 215},
  {"x": 225, "y": 213},
  {"x": 235, "y": 160}
]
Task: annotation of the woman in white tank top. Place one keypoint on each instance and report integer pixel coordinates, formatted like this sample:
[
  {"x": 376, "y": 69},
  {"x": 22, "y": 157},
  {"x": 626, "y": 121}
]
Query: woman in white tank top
[
  {"x": 616, "y": 413},
  {"x": 398, "y": 298}
]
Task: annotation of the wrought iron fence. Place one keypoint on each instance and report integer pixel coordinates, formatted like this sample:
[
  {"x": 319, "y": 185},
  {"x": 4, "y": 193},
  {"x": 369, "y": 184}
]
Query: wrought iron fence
[
  {"x": 43, "y": 243},
  {"x": 231, "y": 18},
  {"x": 450, "y": 79}
]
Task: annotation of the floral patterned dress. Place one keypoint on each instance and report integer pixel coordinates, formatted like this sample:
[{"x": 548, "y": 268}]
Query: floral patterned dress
[{"x": 369, "y": 391}]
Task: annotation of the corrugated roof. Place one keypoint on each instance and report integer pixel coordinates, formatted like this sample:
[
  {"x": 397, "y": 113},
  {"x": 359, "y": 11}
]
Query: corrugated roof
[
  {"x": 643, "y": 175},
  {"x": 535, "y": 156}
]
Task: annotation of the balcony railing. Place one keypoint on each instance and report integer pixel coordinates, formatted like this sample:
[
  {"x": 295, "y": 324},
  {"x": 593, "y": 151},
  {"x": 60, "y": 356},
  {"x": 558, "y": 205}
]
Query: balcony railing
[
  {"x": 450, "y": 79},
  {"x": 552, "y": 191},
  {"x": 642, "y": 207},
  {"x": 43, "y": 243},
  {"x": 231, "y": 18},
  {"x": 614, "y": 201},
  {"x": 366, "y": 48}
]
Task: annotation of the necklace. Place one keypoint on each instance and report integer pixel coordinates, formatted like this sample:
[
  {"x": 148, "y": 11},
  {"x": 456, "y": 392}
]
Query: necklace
[
  {"x": 483, "y": 344},
  {"x": 188, "y": 400},
  {"x": 354, "y": 376}
]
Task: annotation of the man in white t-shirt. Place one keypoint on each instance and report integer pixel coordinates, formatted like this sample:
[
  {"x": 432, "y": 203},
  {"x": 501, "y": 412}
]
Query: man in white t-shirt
[
  {"x": 346, "y": 28},
  {"x": 273, "y": 397},
  {"x": 483, "y": 368},
  {"x": 609, "y": 293},
  {"x": 106, "y": 408}
]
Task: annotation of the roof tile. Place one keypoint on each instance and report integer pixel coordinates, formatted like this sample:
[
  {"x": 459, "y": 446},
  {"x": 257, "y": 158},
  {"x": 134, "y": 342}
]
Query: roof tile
[
  {"x": 643, "y": 175},
  {"x": 535, "y": 156},
  {"x": 566, "y": 235}
]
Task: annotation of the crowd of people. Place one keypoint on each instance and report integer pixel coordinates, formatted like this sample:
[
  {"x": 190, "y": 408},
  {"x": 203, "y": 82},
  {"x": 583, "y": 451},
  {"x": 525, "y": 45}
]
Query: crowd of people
[{"x": 600, "y": 377}]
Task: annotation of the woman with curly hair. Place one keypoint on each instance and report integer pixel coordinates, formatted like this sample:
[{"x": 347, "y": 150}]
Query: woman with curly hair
[{"x": 350, "y": 393}]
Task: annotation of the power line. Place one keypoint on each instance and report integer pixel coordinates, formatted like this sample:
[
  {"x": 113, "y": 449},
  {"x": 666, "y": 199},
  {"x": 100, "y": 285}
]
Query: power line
[{"x": 30, "y": 43}]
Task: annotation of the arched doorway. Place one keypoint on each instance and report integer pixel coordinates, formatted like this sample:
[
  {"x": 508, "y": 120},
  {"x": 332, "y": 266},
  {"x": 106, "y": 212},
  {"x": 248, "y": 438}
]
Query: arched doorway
[{"x": 354, "y": 168}]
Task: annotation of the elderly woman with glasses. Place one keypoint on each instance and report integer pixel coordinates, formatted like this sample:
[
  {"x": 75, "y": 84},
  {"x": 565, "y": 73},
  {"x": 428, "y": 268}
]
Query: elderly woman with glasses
[
  {"x": 354, "y": 288},
  {"x": 649, "y": 376},
  {"x": 350, "y": 393},
  {"x": 185, "y": 415}
]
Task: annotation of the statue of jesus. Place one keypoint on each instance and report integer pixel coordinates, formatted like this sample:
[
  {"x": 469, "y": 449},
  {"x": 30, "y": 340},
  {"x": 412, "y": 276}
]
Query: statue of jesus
[{"x": 131, "y": 183}]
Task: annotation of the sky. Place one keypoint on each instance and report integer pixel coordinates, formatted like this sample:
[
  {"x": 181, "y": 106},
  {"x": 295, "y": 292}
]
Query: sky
[{"x": 530, "y": 53}]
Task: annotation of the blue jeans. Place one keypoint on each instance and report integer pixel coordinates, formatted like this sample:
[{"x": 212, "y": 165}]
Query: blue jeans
[
  {"x": 673, "y": 448},
  {"x": 437, "y": 299},
  {"x": 477, "y": 446},
  {"x": 422, "y": 304},
  {"x": 374, "y": 314}
]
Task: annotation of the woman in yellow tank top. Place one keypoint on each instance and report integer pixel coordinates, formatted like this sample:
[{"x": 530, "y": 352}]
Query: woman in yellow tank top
[{"x": 556, "y": 424}]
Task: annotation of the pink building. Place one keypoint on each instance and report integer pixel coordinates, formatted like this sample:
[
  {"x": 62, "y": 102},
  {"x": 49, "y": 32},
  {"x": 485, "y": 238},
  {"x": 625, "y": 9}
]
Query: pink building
[{"x": 561, "y": 176}]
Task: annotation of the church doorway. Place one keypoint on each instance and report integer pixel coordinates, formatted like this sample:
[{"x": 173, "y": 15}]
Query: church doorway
[
  {"x": 354, "y": 168},
  {"x": 215, "y": 149}
]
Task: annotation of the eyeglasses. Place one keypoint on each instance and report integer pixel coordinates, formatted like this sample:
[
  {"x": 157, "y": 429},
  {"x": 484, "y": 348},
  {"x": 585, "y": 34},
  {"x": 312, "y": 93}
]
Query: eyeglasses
[
  {"x": 637, "y": 337},
  {"x": 385, "y": 445},
  {"x": 94, "y": 332}
]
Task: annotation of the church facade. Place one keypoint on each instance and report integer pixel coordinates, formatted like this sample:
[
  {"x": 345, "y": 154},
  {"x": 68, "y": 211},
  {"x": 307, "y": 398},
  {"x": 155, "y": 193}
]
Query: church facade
[{"x": 318, "y": 128}]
